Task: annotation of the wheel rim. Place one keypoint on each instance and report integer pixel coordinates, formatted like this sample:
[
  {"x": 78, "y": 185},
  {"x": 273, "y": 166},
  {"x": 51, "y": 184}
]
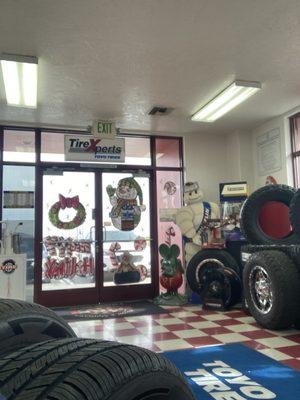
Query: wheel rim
[
  {"x": 208, "y": 262},
  {"x": 261, "y": 289}
]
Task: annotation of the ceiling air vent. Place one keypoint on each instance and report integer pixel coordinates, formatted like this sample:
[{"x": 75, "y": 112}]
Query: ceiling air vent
[{"x": 158, "y": 110}]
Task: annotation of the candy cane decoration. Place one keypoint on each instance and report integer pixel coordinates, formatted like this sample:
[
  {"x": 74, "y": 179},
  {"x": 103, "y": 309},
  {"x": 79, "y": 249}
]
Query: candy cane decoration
[
  {"x": 50, "y": 245},
  {"x": 112, "y": 254},
  {"x": 143, "y": 271},
  {"x": 140, "y": 243},
  {"x": 170, "y": 232}
]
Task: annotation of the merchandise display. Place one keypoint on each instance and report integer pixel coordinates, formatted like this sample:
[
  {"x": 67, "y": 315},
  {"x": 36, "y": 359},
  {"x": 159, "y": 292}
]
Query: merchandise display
[{"x": 271, "y": 263}]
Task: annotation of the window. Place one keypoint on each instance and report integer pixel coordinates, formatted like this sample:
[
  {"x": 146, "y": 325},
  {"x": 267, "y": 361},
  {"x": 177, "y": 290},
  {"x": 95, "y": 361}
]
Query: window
[
  {"x": 295, "y": 137},
  {"x": 167, "y": 152},
  {"x": 19, "y": 146}
]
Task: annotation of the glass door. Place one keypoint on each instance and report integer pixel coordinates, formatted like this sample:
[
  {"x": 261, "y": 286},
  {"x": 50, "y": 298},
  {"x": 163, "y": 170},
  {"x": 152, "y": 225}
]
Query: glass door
[
  {"x": 126, "y": 236},
  {"x": 94, "y": 240},
  {"x": 68, "y": 247}
]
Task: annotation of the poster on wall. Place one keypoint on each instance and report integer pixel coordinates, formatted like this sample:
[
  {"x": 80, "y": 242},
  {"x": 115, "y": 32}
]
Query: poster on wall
[
  {"x": 88, "y": 148},
  {"x": 269, "y": 152}
]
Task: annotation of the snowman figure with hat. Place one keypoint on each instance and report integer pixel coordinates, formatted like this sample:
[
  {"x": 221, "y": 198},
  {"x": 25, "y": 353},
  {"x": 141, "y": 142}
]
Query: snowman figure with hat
[
  {"x": 127, "y": 204},
  {"x": 193, "y": 218}
]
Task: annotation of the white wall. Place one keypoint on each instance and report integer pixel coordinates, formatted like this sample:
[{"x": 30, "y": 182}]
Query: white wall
[
  {"x": 206, "y": 162},
  {"x": 285, "y": 174},
  {"x": 239, "y": 158}
]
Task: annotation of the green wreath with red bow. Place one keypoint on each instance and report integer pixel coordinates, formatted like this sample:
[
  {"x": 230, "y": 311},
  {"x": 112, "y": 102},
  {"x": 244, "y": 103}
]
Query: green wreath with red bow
[{"x": 62, "y": 204}]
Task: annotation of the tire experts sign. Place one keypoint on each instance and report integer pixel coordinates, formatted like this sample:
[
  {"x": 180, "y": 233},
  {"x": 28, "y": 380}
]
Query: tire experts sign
[{"x": 88, "y": 148}]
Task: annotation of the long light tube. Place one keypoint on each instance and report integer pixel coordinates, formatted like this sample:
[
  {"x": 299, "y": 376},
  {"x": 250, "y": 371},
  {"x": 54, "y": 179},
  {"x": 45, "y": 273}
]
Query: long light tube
[
  {"x": 20, "y": 75},
  {"x": 228, "y": 99}
]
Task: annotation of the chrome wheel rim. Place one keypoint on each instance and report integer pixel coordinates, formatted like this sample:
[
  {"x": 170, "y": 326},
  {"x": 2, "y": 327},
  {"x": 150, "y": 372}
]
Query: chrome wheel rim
[
  {"x": 261, "y": 289},
  {"x": 206, "y": 262}
]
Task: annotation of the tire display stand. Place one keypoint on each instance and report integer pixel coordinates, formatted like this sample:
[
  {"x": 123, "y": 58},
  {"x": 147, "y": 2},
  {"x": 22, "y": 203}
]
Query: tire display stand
[
  {"x": 271, "y": 273},
  {"x": 214, "y": 275}
]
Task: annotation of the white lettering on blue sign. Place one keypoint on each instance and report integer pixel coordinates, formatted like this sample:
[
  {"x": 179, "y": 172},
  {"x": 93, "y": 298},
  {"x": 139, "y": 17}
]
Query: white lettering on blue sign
[{"x": 210, "y": 381}]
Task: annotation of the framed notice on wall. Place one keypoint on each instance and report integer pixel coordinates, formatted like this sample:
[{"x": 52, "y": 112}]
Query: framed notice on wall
[{"x": 269, "y": 152}]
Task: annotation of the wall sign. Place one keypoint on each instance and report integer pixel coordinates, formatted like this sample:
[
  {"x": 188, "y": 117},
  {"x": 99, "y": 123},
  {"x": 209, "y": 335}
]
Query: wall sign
[
  {"x": 13, "y": 276},
  {"x": 233, "y": 191},
  {"x": 88, "y": 148},
  {"x": 8, "y": 266},
  {"x": 269, "y": 152},
  {"x": 104, "y": 129}
]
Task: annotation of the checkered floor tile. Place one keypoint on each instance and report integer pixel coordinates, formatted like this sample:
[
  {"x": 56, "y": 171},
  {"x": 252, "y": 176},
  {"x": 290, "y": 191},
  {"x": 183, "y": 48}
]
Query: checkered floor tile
[{"x": 190, "y": 326}]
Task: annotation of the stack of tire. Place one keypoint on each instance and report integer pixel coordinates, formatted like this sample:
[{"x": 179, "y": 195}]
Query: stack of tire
[
  {"x": 271, "y": 273},
  {"x": 214, "y": 274},
  {"x": 41, "y": 359}
]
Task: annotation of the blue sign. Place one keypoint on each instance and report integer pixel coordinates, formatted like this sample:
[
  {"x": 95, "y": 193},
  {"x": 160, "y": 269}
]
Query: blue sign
[{"x": 235, "y": 372}]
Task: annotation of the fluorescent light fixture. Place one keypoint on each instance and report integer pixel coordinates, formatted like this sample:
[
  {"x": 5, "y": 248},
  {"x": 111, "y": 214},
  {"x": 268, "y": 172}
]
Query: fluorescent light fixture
[
  {"x": 20, "y": 75},
  {"x": 228, "y": 99}
]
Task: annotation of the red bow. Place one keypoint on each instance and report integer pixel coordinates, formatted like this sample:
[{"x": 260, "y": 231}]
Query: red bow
[{"x": 68, "y": 202}]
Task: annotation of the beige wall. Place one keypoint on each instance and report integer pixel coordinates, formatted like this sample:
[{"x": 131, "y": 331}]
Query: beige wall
[{"x": 206, "y": 162}]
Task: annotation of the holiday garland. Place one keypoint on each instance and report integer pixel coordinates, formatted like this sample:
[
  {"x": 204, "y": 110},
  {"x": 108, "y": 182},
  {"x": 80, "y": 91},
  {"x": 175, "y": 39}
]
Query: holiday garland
[{"x": 64, "y": 202}]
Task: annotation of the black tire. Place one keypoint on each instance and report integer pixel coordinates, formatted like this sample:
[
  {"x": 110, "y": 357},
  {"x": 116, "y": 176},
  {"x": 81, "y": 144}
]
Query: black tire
[
  {"x": 22, "y": 324},
  {"x": 221, "y": 258},
  {"x": 283, "y": 282},
  {"x": 254, "y": 248},
  {"x": 295, "y": 213},
  {"x": 87, "y": 369},
  {"x": 245, "y": 307},
  {"x": 127, "y": 277},
  {"x": 222, "y": 288},
  {"x": 292, "y": 250},
  {"x": 250, "y": 227}
]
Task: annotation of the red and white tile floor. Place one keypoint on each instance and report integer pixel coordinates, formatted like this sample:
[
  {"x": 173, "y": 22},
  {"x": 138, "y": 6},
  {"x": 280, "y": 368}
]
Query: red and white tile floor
[{"x": 190, "y": 326}]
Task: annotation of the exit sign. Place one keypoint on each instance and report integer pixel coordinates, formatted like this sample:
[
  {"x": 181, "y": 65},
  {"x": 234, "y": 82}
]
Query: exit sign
[{"x": 104, "y": 129}]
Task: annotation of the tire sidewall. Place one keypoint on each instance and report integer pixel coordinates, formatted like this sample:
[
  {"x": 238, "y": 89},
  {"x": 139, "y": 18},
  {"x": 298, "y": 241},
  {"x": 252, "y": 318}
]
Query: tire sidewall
[
  {"x": 150, "y": 382},
  {"x": 223, "y": 259},
  {"x": 277, "y": 304},
  {"x": 23, "y": 329},
  {"x": 250, "y": 214}
]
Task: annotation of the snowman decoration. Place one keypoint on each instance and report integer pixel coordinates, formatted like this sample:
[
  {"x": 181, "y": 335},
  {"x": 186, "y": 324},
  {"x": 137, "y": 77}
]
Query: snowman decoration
[{"x": 127, "y": 204}]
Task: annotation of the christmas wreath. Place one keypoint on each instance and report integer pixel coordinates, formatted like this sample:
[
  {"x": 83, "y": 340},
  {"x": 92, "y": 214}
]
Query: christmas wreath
[{"x": 63, "y": 203}]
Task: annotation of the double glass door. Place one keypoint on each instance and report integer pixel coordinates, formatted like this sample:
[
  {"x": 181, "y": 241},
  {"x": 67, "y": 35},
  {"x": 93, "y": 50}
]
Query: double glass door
[{"x": 94, "y": 237}]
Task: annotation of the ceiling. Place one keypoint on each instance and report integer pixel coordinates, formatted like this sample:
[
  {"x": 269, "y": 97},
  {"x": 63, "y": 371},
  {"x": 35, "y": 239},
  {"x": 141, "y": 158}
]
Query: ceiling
[{"x": 118, "y": 58}]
